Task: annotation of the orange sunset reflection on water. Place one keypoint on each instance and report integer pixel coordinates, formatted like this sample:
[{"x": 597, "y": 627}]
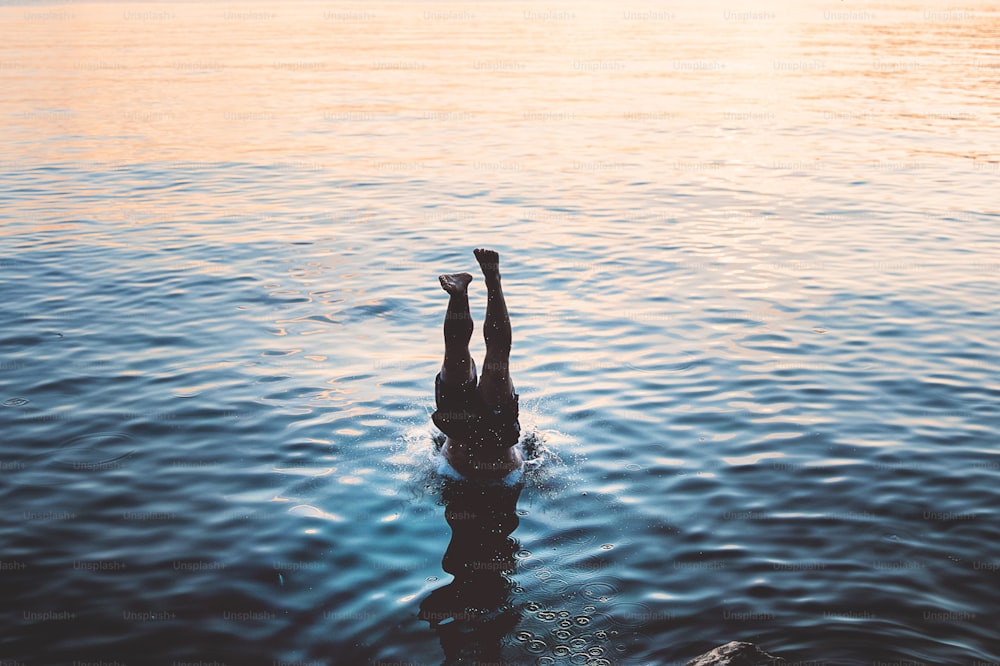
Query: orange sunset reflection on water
[{"x": 492, "y": 87}]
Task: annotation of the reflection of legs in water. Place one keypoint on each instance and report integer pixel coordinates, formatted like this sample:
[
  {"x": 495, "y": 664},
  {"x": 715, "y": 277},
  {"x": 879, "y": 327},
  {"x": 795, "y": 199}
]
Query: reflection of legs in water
[{"x": 474, "y": 613}]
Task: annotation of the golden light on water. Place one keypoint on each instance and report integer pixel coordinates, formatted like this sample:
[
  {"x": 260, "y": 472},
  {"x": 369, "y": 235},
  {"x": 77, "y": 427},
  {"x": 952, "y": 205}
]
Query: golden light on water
[{"x": 326, "y": 86}]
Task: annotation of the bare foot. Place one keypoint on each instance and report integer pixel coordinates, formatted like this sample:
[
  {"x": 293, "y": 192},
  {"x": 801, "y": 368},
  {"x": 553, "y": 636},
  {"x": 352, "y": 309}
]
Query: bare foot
[
  {"x": 455, "y": 283},
  {"x": 489, "y": 261}
]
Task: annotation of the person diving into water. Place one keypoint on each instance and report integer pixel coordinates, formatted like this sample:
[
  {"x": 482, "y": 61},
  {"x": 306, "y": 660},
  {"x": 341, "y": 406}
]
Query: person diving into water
[
  {"x": 479, "y": 418},
  {"x": 482, "y": 470}
]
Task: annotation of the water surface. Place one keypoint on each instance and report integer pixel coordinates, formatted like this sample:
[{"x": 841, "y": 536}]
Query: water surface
[{"x": 751, "y": 259}]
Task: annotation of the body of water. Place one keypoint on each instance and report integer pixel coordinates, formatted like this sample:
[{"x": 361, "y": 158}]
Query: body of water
[{"x": 751, "y": 258}]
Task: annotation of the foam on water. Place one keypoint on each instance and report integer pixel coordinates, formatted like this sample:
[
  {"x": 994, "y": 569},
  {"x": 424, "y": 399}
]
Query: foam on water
[{"x": 416, "y": 459}]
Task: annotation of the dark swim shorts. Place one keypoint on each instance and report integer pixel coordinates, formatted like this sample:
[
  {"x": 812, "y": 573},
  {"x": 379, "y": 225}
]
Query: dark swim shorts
[{"x": 462, "y": 414}]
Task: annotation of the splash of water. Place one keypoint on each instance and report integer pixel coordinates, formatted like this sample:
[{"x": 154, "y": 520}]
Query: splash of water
[{"x": 417, "y": 457}]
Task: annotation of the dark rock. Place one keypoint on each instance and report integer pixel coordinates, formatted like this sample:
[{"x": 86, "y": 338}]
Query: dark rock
[{"x": 736, "y": 653}]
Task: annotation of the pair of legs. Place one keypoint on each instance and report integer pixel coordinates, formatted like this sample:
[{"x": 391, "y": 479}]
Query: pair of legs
[
  {"x": 480, "y": 421},
  {"x": 495, "y": 385}
]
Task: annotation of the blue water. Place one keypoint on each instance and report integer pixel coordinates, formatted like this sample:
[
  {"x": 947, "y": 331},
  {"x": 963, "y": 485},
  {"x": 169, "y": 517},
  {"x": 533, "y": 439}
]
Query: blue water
[{"x": 752, "y": 269}]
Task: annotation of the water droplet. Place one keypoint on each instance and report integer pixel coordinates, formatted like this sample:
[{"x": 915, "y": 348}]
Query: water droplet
[
  {"x": 578, "y": 643},
  {"x": 533, "y": 606},
  {"x": 581, "y": 620},
  {"x": 589, "y": 609},
  {"x": 555, "y": 584},
  {"x": 601, "y": 635},
  {"x": 431, "y": 579},
  {"x": 546, "y": 616},
  {"x": 523, "y": 554},
  {"x": 537, "y": 646},
  {"x": 562, "y": 634},
  {"x": 524, "y": 636},
  {"x": 600, "y": 590},
  {"x": 607, "y": 546},
  {"x": 819, "y": 329},
  {"x": 15, "y": 402},
  {"x": 564, "y": 613},
  {"x": 596, "y": 651},
  {"x": 565, "y": 624},
  {"x": 561, "y": 650}
]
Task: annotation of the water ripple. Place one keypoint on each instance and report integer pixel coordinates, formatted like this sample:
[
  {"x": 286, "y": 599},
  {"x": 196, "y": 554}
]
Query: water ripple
[{"x": 754, "y": 341}]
